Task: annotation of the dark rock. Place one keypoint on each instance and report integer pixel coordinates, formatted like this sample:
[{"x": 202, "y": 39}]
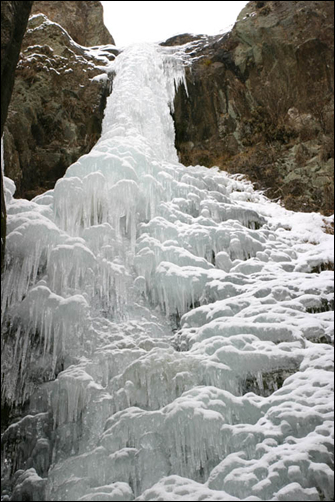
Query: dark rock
[
  {"x": 14, "y": 18},
  {"x": 57, "y": 107},
  {"x": 267, "y": 383},
  {"x": 261, "y": 95}
]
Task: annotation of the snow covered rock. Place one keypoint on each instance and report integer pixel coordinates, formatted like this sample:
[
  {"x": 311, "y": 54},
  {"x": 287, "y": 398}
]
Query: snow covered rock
[{"x": 57, "y": 106}]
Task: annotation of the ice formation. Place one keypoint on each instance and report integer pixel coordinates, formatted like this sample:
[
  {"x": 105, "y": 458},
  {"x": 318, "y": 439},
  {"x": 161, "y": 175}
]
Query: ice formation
[{"x": 168, "y": 329}]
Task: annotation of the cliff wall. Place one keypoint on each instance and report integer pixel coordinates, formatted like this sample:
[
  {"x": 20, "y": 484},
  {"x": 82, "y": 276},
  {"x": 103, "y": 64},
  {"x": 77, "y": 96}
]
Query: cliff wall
[
  {"x": 57, "y": 107},
  {"x": 261, "y": 102},
  {"x": 82, "y": 20}
]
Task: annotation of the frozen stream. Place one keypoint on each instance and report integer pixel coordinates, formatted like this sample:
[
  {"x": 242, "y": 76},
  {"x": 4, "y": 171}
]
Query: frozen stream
[{"x": 167, "y": 328}]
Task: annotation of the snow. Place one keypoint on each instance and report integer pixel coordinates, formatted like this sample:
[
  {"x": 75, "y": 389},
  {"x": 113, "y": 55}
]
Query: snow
[{"x": 168, "y": 328}]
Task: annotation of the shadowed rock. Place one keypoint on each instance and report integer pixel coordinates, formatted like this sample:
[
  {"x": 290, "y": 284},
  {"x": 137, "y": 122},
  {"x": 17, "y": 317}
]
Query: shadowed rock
[{"x": 14, "y": 18}]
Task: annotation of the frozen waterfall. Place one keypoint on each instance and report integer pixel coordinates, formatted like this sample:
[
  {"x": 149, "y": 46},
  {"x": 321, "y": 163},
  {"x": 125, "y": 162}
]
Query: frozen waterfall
[{"x": 166, "y": 330}]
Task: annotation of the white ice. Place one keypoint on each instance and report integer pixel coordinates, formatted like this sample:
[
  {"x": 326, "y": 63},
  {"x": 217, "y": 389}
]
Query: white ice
[{"x": 168, "y": 327}]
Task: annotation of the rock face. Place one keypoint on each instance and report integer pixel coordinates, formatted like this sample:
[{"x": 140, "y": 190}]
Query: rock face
[
  {"x": 82, "y": 20},
  {"x": 14, "y": 18},
  {"x": 261, "y": 102},
  {"x": 57, "y": 107}
]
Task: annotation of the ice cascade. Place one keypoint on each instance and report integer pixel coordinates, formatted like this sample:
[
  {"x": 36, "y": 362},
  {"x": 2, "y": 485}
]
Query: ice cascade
[{"x": 166, "y": 330}]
